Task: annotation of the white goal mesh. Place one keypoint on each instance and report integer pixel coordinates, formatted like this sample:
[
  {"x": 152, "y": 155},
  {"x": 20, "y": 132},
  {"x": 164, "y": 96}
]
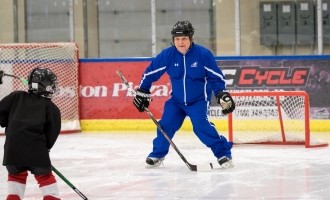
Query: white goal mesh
[
  {"x": 62, "y": 58},
  {"x": 271, "y": 118}
]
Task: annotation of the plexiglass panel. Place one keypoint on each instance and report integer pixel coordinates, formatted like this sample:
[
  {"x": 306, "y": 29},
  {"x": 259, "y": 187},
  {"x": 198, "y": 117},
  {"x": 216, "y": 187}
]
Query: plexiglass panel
[{"x": 47, "y": 21}]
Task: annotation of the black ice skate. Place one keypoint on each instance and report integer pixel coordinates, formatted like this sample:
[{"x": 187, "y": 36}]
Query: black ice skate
[
  {"x": 153, "y": 162},
  {"x": 225, "y": 162}
]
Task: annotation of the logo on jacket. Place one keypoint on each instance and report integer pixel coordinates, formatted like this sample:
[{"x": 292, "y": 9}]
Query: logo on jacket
[
  {"x": 194, "y": 64},
  {"x": 176, "y": 64}
]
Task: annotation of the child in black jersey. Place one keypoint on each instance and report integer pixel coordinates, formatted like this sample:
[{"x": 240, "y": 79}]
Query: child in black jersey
[{"x": 33, "y": 123}]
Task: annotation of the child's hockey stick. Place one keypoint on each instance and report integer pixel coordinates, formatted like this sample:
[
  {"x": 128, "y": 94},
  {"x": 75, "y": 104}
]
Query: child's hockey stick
[
  {"x": 70, "y": 184},
  {"x": 190, "y": 166},
  {"x": 23, "y": 80}
]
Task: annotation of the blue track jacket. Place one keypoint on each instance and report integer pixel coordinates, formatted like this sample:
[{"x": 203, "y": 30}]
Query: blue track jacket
[{"x": 193, "y": 75}]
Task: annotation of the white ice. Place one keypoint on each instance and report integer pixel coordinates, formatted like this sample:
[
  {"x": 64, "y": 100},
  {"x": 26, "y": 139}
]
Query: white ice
[{"x": 106, "y": 166}]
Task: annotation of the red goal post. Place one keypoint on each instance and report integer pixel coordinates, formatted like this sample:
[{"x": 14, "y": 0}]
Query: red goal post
[
  {"x": 62, "y": 58},
  {"x": 271, "y": 117}
]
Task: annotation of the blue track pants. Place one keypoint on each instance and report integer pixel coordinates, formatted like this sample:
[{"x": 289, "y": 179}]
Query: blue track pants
[{"x": 172, "y": 119}]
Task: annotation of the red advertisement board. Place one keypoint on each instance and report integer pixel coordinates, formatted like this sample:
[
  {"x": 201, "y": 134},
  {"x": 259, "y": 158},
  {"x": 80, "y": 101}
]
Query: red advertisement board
[{"x": 103, "y": 95}]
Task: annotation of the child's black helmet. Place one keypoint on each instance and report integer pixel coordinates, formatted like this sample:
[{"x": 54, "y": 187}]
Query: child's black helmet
[{"x": 42, "y": 82}]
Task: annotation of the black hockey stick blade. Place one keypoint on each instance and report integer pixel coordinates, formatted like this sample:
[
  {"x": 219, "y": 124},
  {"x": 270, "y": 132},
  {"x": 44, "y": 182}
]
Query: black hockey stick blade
[
  {"x": 69, "y": 183},
  {"x": 205, "y": 167},
  {"x": 190, "y": 166},
  {"x": 1, "y": 75}
]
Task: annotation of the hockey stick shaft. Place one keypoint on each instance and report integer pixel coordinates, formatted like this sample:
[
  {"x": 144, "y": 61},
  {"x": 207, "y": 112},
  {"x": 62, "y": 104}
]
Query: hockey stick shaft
[
  {"x": 190, "y": 166},
  {"x": 23, "y": 80},
  {"x": 69, "y": 183}
]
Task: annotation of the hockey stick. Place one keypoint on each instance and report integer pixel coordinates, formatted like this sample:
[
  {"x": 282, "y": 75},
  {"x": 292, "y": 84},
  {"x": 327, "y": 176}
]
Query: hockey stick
[
  {"x": 23, "y": 80},
  {"x": 70, "y": 184},
  {"x": 190, "y": 166}
]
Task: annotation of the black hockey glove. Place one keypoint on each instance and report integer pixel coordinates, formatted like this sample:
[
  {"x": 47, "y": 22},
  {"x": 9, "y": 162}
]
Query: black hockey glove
[
  {"x": 1, "y": 75},
  {"x": 226, "y": 102},
  {"x": 142, "y": 99}
]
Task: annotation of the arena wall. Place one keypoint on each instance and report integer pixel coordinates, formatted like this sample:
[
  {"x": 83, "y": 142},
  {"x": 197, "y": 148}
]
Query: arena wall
[{"x": 106, "y": 103}]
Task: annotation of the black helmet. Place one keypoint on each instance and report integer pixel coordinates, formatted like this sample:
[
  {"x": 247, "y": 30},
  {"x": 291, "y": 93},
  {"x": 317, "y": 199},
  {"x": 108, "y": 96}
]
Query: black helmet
[
  {"x": 183, "y": 28},
  {"x": 42, "y": 82}
]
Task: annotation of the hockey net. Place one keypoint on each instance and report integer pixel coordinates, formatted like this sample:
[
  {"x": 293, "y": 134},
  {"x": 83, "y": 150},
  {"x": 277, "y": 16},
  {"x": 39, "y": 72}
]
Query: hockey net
[
  {"x": 273, "y": 117},
  {"x": 62, "y": 58}
]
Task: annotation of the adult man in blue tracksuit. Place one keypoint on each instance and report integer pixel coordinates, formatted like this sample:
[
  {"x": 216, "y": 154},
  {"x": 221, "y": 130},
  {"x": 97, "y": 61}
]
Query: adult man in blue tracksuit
[{"x": 194, "y": 74}]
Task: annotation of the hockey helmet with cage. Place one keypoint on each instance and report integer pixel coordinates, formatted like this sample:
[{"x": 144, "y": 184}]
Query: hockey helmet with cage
[
  {"x": 183, "y": 28},
  {"x": 42, "y": 82}
]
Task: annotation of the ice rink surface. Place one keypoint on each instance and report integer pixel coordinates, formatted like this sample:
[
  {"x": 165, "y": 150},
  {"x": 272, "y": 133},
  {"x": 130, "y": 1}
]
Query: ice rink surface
[{"x": 106, "y": 166}]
